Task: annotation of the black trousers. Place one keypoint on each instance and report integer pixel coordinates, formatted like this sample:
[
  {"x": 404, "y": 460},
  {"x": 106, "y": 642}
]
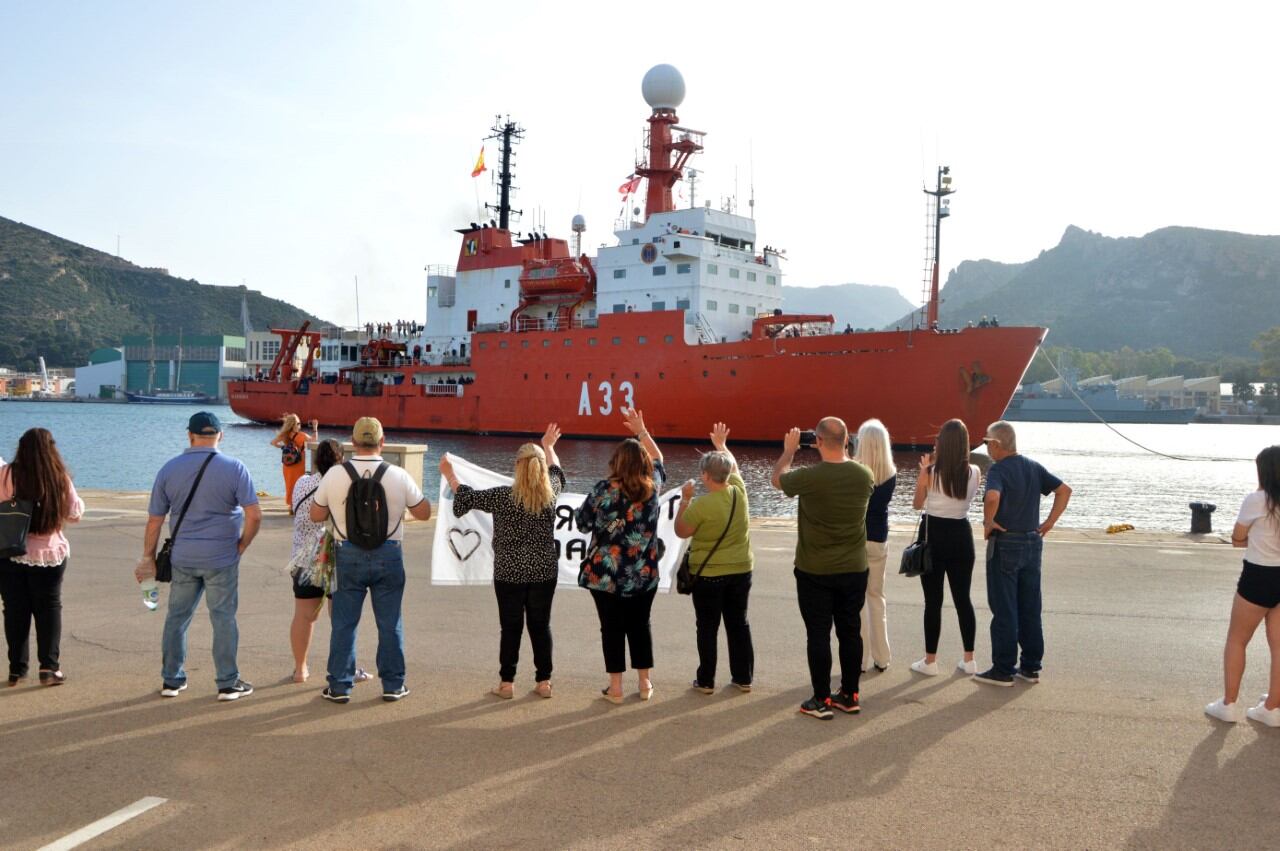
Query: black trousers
[
  {"x": 715, "y": 597},
  {"x": 31, "y": 592},
  {"x": 625, "y": 621},
  {"x": 951, "y": 546},
  {"x": 519, "y": 602},
  {"x": 826, "y": 600}
]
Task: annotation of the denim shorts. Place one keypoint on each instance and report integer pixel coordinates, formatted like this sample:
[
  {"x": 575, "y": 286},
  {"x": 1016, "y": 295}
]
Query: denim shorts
[{"x": 1260, "y": 585}]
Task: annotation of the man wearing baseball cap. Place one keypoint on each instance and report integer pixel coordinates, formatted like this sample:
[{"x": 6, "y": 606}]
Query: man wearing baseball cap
[
  {"x": 368, "y": 560},
  {"x": 222, "y": 518}
]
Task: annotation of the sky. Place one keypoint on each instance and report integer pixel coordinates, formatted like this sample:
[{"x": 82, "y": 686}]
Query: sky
[{"x": 301, "y": 146}]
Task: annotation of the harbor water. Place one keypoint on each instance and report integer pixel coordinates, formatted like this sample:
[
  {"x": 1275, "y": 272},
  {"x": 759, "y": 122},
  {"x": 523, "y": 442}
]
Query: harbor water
[{"x": 120, "y": 447}]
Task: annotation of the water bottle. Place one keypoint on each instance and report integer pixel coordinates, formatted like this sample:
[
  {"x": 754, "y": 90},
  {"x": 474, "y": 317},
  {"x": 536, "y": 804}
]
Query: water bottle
[{"x": 150, "y": 594}]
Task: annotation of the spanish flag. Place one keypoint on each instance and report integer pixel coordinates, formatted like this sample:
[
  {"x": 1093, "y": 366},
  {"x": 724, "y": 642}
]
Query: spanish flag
[{"x": 475, "y": 172}]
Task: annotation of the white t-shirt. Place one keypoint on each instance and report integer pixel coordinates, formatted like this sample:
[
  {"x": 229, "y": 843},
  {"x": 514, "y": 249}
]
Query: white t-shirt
[
  {"x": 938, "y": 504},
  {"x": 1264, "y": 532},
  {"x": 402, "y": 492}
]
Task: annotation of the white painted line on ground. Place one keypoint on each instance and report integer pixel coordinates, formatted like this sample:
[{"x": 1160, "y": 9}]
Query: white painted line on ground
[{"x": 102, "y": 825}]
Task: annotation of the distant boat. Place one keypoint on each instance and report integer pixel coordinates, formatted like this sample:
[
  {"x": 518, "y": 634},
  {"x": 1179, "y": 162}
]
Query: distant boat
[
  {"x": 170, "y": 397},
  {"x": 1031, "y": 403}
]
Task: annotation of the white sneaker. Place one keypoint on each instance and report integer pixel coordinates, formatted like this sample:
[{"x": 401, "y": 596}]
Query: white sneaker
[
  {"x": 1263, "y": 715},
  {"x": 970, "y": 667},
  {"x": 1229, "y": 712},
  {"x": 929, "y": 669}
]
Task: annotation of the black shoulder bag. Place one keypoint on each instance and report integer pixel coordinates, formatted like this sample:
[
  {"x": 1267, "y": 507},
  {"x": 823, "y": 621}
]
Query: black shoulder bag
[
  {"x": 164, "y": 558},
  {"x": 916, "y": 558},
  {"x": 685, "y": 578}
]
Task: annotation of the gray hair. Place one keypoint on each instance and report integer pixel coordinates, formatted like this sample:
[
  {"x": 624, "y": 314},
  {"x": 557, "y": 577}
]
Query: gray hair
[
  {"x": 1002, "y": 430},
  {"x": 717, "y": 464}
]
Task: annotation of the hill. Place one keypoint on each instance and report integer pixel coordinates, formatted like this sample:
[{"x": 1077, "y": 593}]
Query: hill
[
  {"x": 63, "y": 300},
  {"x": 859, "y": 305},
  {"x": 1196, "y": 292}
]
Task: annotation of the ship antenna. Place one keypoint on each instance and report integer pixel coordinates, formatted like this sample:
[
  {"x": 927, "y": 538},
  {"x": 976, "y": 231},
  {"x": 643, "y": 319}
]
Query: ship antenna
[
  {"x": 751, "y": 179},
  {"x": 508, "y": 133},
  {"x": 940, "y": 211}
]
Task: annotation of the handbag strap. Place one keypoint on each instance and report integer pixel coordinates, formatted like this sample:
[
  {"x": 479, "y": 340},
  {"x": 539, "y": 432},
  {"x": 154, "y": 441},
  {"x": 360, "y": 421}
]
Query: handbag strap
[
  {"x": 924, "y": 525},
  {"x": 733, "y": 506},
  {"x": 182, "y": 515}
]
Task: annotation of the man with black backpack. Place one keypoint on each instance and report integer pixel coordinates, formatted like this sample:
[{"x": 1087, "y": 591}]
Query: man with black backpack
[{"x": 365, "y": 499}]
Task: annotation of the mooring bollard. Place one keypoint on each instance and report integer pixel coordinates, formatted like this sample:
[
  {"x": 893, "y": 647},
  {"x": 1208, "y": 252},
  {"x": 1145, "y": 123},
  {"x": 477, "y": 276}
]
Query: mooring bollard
[{"x": 1202, "y": 517}]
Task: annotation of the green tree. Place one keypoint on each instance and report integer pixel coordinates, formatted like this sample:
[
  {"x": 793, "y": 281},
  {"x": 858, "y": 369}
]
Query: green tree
[
  {"x": 1267, "y": 345},
  {"x": 1243, "y": 391},
  {"x": 1269, "y": 398}
]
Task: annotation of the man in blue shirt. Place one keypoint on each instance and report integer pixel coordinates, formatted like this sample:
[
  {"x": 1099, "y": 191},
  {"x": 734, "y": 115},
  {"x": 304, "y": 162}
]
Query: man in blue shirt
[
  {"x": 1011, "y": 525},
  {"x": 222, "y": 520}
]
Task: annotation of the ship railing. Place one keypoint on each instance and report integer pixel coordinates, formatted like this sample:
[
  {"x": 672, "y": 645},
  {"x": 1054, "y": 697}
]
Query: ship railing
[
  {"x": 529, "y": 323},
  {"x": 455, "y": 360},
  {"x": 441, "y": 270},
  {"x": 448, "y": 390}
]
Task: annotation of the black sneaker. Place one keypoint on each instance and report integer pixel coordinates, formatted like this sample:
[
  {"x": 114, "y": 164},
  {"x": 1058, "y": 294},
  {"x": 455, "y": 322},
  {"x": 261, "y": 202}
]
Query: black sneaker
[
  {"x": 820, "y": 709},
  {"x": 167, "y": 690},
  {"x": 992, "y": 677},
  {"x": 846, "y": 702},
  {"x": 235, "y": 692},
  {"x": 334, "y": 696},
  {"x": 393, "y": 696},
  {"x": 1032, "y": 677},
  {"x": 697, "y": 686}
]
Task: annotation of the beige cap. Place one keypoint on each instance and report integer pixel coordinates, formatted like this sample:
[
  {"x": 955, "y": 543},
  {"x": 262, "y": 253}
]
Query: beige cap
[{"x": 367, "y": 432}]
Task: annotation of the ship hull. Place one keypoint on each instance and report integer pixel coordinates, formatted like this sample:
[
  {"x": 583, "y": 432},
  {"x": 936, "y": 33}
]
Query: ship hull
[{"x": 911, "y": 380}]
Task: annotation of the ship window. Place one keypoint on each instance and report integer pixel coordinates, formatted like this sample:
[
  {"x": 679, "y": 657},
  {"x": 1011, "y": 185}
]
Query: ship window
[
  {"x": 568, "y": 342},
  {"x": 642, "y": 340},
  {"x": 734, "y": 273},
  {"x": 713, "y": 269},
  {"x": 506, "y": 284},
  {"x": 546, "y": 344},
  {"x": 659, "y": 305},
  {"x": 619, "y": 273},
  {"x": 550, "y": 314},
  {"x": 677, "y": 243},
  {"x": 668, "y": 339},
  {"x": 635, "y": 241},
  {"x": 659, "y": 271},
  {"x": 592, "y": 313},
  {"x": 751, "y": 276},
  {"x": 683, "y": 268},
  {"x": 619, "y": 308},
  {"x": 484, "y": 345},
  {"x": 431, "y": 292},
  {"x": 617, "y": 341},
  {"x": 591, "y": 341},
  {"x": 733, "y": 308},
  {"x": 711, "y": 304},
  {"x": 771, "y": 279},
  {"x": 682, "y": 304},
  {"x": 524, "y": 344},
  {"x": 751, "y": 311},
  {"x": 502, "y": 344}
]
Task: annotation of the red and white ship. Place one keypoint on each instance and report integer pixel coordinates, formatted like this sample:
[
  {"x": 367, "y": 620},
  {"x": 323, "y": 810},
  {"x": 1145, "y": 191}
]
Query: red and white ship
[{"x": 683, "y": 318}]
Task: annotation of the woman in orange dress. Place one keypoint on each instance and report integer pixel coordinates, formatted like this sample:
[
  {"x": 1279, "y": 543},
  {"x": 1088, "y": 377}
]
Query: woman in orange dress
[{"x": 292, "y": 441}]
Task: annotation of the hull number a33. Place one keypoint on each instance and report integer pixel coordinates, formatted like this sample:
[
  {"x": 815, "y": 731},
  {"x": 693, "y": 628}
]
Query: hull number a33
[{"x": 604, "y": 396}]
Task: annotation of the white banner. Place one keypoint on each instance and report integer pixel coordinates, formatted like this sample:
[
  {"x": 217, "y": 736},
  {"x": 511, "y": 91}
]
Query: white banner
[{"x": 462, "y": 552}]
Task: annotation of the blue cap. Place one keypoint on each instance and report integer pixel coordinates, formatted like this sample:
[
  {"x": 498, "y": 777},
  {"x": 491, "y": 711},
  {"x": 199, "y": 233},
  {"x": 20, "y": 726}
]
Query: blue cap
[{"x": 204, "y": 423}]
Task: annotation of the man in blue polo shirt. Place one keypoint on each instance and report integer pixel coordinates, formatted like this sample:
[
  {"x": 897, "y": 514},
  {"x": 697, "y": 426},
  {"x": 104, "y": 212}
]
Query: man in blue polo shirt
[
  {"x": 1015, "y": 539},
  {"x": 222, "y": 520}
]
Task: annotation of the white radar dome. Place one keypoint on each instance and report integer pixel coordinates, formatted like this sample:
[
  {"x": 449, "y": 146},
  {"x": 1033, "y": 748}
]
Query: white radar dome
[
  {"x": 579, "y": 223},
  {"x": 663, "y": 87}
]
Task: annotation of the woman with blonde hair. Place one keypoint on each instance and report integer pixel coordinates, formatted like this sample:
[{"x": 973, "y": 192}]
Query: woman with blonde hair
[
  {"x": 621, "y": 570},
  {"x": 876, "y": 452},
  {"x": 525, "y": 559},
  {"x": 945, "y": 490},
  {"x": 292, "y": 441}
]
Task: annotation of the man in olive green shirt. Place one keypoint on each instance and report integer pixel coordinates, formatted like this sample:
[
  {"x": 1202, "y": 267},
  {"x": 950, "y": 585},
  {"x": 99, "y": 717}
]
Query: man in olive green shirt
[
  {"x": 831, "y": 559},
  {"x": 723, "y": 569}
]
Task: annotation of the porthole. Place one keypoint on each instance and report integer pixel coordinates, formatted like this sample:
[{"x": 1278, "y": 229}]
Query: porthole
[
  {"x": 704, "y": 374},
  {"x": 524, "y": 344},
  {"x": 546, "y": 344}
]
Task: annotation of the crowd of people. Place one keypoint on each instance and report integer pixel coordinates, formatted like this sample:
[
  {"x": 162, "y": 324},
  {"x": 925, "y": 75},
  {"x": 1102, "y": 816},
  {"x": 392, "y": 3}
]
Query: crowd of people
[
  {"x": 402, "y": 328},
  {"x": 348, "y": 533}
]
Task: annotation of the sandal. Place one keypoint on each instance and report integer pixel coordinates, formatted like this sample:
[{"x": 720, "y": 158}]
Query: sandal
[
  {"x": 52, "y": 678},
  {"x": 646, "y": 692},
  {"x": 605, "y": 694},
  {"x": 361, "y": 676},
  {"x": 543, "y": 688},
  {"x": 295, "y": 677},
  {"x": 506, "y": 691}
]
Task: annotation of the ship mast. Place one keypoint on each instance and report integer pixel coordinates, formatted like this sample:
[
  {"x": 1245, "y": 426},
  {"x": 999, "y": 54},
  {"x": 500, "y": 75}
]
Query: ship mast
[
  {"x": 508, "y": 132},
  {"x": 940, "y": 212},
  {"x": 663, "y": 90}
]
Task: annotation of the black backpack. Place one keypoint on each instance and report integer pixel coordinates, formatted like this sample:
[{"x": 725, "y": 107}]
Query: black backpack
[{"x": 367, "y": 514}]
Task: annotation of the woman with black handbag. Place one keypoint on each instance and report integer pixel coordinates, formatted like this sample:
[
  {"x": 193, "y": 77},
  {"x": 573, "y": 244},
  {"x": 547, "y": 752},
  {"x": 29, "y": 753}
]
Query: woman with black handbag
[
  {"x": 720, "y": 563},
  {"x": 945, "y": 490},
  {"x": 36, "y": 552}
]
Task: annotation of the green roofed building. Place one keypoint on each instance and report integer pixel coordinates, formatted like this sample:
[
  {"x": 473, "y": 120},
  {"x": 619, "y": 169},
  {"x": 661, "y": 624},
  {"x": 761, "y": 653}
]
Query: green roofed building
[{"x": 203, "y": 363}]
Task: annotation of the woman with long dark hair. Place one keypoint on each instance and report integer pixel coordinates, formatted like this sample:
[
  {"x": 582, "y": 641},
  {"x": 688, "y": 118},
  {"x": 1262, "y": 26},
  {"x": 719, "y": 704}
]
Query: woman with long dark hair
[
  {"x": 1257, "y": 531},
  {"x": 621, "y": 568},
  {"x": 31, "y": 584},
  {"x": 945, "y": 490},
  {"x": 526, "y": 563}
]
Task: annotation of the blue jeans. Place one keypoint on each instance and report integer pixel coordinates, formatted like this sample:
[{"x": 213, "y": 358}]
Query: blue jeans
[
  {"x": 1013, "y": 593},
  {"x": 381, "y": 573},
  {"x": 222, "y": 587}
]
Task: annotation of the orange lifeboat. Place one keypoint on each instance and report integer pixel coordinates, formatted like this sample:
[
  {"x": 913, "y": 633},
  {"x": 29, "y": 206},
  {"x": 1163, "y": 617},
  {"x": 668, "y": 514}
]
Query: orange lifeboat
[{"x": 561, "y": 276}]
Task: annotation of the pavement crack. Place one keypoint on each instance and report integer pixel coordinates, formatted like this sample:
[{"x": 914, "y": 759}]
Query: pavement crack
[{"x": 98, "y": 644}]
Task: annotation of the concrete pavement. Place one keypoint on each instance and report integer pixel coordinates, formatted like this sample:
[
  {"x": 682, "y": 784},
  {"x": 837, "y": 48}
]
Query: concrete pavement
[{"x": 1110, "y": 751}]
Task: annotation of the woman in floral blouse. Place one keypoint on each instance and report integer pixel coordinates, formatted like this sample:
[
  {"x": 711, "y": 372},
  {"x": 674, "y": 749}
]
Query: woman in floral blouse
[{"x": 621, "y": 570}]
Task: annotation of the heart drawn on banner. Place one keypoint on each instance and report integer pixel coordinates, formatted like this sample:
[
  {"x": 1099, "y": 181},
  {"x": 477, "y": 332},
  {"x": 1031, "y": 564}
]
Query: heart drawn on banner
[{"x": 459, "y": 541}]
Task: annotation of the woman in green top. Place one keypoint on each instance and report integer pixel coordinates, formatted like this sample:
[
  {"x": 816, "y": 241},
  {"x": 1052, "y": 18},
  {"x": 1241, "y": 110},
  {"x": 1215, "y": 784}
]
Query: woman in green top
[{"x": 724, "y": 572}]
